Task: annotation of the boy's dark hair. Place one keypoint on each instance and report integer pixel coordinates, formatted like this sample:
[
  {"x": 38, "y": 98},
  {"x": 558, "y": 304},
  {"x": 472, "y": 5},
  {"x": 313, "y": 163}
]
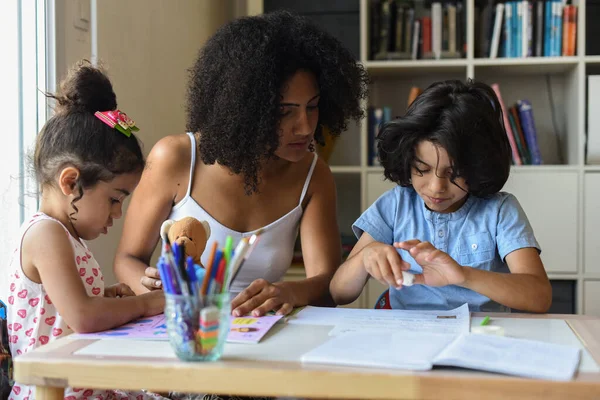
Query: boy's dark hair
[
  {"x": 236, "y": 82},
  {"x": 74, "y": 136},
  {"x": 463, "y": 118}
]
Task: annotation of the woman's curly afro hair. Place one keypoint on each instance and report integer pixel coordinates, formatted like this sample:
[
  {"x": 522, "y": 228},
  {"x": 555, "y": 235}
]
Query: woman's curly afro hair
[{"x": 236, "y": 82}]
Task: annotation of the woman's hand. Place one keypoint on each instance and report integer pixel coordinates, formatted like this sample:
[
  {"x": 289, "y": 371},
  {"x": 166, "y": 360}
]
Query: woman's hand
[
  {"x": 383, "y": 263},
  {"x": 439, "y": 269},
  {"x": 118, "y": 290},
  {"x": 261, "y": 297},
  {"x": 151, "y": 279}
]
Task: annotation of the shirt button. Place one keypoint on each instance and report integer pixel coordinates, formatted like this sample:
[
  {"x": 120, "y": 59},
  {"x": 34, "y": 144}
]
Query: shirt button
[
  {"x": 441, "y": 233},
  {"x": 474, "y": 246}
]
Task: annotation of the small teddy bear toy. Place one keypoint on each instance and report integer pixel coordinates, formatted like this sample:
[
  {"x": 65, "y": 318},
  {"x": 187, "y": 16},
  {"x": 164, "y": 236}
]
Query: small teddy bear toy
[{"x": 189, "y": 232}]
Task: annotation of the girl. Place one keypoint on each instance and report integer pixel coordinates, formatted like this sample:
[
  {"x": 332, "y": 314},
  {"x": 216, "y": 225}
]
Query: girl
[
  {"x": 447, "y": 222},
  {"x": 259, "y": 95},
  {"x": 85, "y": 170}
]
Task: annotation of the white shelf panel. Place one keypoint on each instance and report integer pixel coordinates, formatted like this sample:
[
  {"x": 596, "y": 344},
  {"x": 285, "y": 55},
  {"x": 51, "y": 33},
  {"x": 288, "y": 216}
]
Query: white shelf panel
[
  {"x": 562, "y": 277},
  {"x": 592, "y": 168},
  {"x": 526, "y": 65},
  {"x": 345, "y": 169},
  {"x": 543, "y": 168},
  {"x": 392, "y": 68},
  {"x": 520, "y": 168},
  {"x": 592, "y": 59}
]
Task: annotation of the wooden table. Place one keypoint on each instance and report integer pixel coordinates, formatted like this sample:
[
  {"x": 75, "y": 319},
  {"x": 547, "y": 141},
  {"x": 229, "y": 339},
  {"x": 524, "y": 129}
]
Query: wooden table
[{"x": 271, "y": 368}]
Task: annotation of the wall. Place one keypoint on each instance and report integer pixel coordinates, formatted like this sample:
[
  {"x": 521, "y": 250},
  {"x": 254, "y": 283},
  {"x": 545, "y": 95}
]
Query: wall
[{"x": 147, "y": 47}]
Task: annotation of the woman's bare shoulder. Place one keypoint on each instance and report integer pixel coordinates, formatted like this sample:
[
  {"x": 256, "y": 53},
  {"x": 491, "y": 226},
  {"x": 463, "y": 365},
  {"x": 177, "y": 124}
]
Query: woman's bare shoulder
[{"x": 171, "y": 153}]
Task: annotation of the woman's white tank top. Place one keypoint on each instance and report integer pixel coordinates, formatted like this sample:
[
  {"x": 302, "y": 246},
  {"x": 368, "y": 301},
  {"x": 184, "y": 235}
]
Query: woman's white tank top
[{"x": 273, "y": 254}]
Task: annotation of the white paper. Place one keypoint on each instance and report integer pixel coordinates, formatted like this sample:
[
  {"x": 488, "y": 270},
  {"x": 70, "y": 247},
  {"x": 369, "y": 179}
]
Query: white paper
[
  {"x": 521, "y": 357},
  {"x": 348, "y": 320},
  {"x": 453, "y": 322},
  {"x": 420, "y": 351},
  {"x": 381, "y": 349}
]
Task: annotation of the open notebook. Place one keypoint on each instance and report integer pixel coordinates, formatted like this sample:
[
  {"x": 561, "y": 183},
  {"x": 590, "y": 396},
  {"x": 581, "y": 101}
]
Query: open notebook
[{"x": 423, "y": 351}]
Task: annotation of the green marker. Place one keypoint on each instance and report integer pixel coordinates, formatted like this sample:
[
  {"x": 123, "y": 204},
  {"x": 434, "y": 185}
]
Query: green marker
[
  {"x": 227, "y": 249},
  {"x": 485, "y": 321}
]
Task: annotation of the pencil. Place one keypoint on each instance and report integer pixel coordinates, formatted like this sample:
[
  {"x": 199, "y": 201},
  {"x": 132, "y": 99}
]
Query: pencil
[{"x": 485, "y": 321}]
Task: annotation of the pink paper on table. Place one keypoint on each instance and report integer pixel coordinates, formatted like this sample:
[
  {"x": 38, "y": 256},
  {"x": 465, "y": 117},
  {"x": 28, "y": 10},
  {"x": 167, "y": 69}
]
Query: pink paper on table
[{"x": 242, "y": 329}]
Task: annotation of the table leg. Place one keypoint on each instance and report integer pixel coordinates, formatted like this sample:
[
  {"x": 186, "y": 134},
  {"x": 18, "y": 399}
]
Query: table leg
[{"x": 49, "y": 393}]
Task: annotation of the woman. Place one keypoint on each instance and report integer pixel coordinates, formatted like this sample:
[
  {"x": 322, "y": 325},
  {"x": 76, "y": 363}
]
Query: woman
[{"x": 259, "y": 95}]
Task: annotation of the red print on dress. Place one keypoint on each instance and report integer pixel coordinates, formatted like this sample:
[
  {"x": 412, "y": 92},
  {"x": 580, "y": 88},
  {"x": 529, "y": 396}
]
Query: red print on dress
[
  {"x": 56, "y": 332},
  {"x": 78, "y": 259},
  {"x": 95, "y": 271},
  {"x": 48, "y": 299},
  {"x": 89, "y": 280},
  {"x": 17, "y": 389},
  {"x": 96, "y": 291},
  {"x": 17, "y": 326},
  {"x": 44, "y": 339},
  {"x": 28, "y": 332},
  {"x": 22, "y": 294},
  {"x": 50, "y": 320},
  {"x": 32, "y": 341},
  {"x": 34, "y": 302},
  {"x": 13, "y": 287},
  {"x": 88, "y": 393},
  {"x": 42, "y": 311},
  {"x": 81, "y": 272},
  {"x": 22, "y": 313},
  {"x": 11, "y": 300}
]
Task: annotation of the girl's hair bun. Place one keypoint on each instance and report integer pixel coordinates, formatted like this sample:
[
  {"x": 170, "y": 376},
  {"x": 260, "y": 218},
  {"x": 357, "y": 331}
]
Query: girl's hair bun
[{"x": 85, "y": 89}]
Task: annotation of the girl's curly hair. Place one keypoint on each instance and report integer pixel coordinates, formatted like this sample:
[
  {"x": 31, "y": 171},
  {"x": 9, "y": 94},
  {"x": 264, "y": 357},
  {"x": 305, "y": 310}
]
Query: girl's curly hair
[{"x": 236, "y": 82}]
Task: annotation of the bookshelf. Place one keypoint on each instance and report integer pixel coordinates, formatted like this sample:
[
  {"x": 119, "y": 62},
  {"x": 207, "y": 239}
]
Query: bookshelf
[{"x": 559, "y": 197}]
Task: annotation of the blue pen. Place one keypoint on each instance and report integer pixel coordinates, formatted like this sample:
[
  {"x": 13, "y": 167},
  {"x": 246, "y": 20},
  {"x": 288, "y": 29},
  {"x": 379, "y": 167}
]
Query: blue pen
[
  {"x": 200, "y": 272},
  {"x": 213, "y": 272},
  {"x": 164, "y": 275},
  {"x": 191, "y": 273}
]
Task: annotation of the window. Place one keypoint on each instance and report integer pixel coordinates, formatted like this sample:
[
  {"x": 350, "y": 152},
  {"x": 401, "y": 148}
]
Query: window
[{"x": 27, "y": 72}]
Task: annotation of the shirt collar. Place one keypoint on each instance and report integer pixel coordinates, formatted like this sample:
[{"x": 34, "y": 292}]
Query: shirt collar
[{"x": 456, "y": 215}]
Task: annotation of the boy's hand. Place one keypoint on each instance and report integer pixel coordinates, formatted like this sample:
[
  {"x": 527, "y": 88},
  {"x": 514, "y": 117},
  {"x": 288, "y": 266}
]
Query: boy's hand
[
  {"x": 439, "y": 269},
  {"x": 383, "y": 263},
  {"x": 118, "y": 290}
]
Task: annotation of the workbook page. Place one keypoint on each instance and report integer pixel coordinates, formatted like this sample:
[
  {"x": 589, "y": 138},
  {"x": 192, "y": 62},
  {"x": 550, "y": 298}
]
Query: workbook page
[
  {"x": 406, "y": 350},
  {"x": 527, "y": 358}
]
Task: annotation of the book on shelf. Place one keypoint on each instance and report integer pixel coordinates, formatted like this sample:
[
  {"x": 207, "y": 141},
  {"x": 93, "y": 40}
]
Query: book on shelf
[
  {"x": 410, "y": 30},
  {"x": 376, "y": 117},
  {"x": 415, "y": 91},
  {"x": 525, "y": 28},
  {"x": 520, "y": 129}
]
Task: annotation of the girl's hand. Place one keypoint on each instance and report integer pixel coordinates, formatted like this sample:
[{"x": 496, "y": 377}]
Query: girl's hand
[
  {"x": 439, "y": 269},
  {"x": 261, "y": 297},
  {"x": 118, "y": 290},
  {"x": 151, "y": 279},
  {"x": 383, "y": 263}
]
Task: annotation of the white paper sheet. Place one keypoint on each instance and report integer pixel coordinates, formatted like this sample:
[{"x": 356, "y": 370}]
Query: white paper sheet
[
  {"x": 380, "y": 349},
  {"x": 358, "y": 320},
  {"x": 521, "y": 357},
  {"x": 420, "y": 351}
]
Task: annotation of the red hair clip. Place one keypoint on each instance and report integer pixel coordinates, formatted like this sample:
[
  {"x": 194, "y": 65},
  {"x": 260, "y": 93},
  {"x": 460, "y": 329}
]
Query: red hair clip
[{"x": 118, "y": 120}]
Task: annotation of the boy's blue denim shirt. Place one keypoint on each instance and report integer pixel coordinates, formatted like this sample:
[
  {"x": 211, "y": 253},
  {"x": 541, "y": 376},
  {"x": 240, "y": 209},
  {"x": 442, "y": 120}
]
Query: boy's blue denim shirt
[{"x": 480, "y": 234}]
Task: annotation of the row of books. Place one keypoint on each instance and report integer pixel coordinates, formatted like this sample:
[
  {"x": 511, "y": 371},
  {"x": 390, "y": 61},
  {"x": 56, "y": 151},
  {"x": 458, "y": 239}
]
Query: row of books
[
  {"x": 520, "y": 129},
  {"x": 401, "y": 29},
  {"x": 540, "y": 28},
  {"x": 518, "y": 122}
]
